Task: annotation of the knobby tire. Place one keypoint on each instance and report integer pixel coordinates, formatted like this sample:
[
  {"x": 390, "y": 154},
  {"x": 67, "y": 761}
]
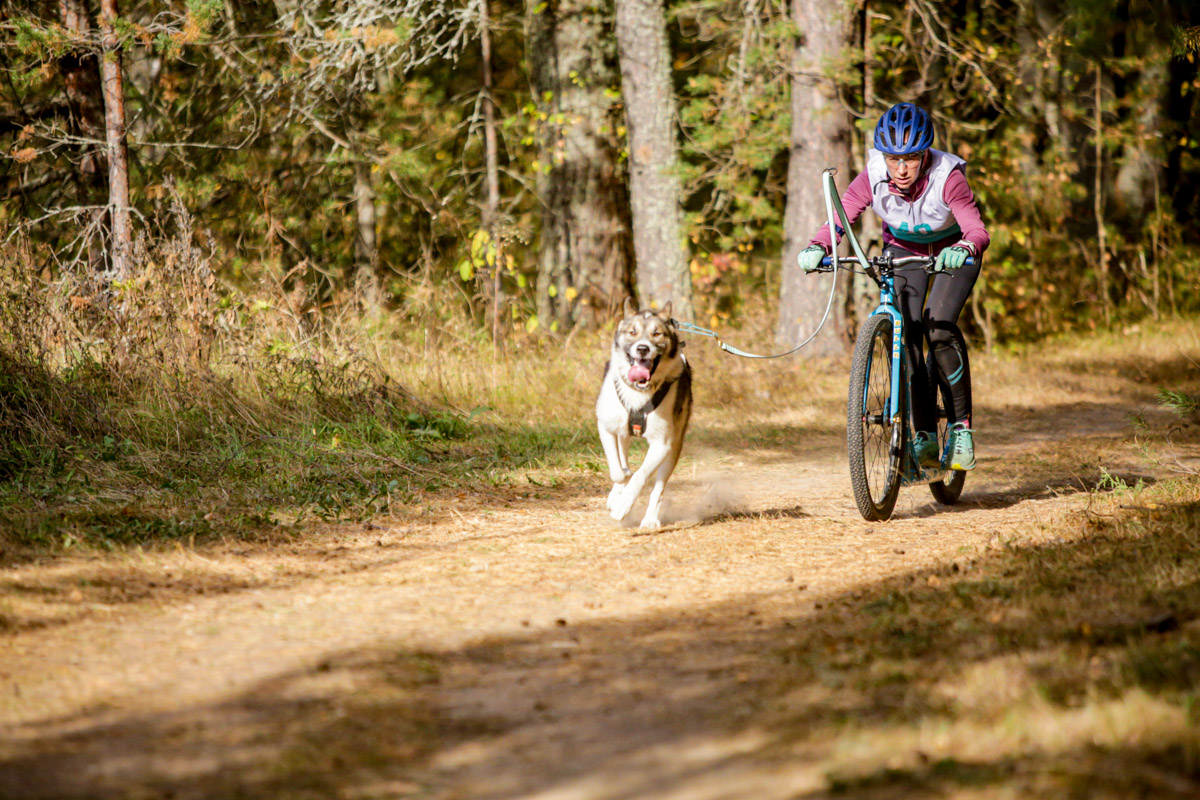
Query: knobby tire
[{"x": 876, "y": 444}]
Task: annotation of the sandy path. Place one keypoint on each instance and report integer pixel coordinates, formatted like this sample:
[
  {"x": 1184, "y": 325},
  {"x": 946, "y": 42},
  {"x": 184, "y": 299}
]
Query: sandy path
[{"x": 530, "y": 649}]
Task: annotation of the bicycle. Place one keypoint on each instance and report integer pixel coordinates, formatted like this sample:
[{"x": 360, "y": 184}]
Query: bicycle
[{"x": 878, "y": 427}]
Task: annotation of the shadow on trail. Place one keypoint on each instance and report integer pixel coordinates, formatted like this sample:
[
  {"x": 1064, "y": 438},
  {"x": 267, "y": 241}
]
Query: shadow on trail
[
  {"x": 1009, "y": 496},
  {"x": 1073, "y": 665},
  {"x": 789, "y": 512},
  {"x": 1175, "y": 371}
]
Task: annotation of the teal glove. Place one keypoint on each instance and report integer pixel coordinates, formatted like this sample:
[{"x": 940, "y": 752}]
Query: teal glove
[
  {"x": 810, "y": 257},
  {"x": 951, "y": 258}
]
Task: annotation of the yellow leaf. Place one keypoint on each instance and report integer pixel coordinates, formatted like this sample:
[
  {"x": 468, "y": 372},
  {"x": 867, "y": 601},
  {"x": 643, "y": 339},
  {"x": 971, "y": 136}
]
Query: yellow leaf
[
  {"x": 478, "y": 242},
  {"x": 571, "y": 293}
]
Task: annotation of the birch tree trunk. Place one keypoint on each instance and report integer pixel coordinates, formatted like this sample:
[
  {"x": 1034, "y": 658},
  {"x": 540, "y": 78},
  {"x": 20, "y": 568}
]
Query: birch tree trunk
[
  {"x": 121, "y": 232},
  {"x": 654, "y": 187},
  {"x": 585, "y": 254},
  {"x": 821, "y": 137}
]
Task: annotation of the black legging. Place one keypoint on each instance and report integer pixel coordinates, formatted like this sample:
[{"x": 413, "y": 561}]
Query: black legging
[{"x": 935, "y": 318}]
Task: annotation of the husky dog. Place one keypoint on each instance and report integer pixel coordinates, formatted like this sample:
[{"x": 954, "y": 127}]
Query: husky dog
[{"x": 647, "y": 392}]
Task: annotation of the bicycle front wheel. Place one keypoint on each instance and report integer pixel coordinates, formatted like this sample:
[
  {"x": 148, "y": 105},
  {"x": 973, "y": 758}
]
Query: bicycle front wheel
[{"x": 875, "y": 421}]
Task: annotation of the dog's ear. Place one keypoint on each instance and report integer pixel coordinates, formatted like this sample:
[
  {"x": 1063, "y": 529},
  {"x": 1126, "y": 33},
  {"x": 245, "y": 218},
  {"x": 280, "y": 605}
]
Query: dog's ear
[
  {"x": 628, "y": 309},
  {"x": 666, "y": 311}
]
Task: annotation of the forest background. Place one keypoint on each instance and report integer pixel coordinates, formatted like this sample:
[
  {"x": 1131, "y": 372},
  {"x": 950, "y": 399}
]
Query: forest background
[{"x": 217, "y": 215}]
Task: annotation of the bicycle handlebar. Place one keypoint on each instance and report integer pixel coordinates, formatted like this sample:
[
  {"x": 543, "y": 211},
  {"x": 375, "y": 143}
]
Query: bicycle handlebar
[{"x": 885, "y": 261}]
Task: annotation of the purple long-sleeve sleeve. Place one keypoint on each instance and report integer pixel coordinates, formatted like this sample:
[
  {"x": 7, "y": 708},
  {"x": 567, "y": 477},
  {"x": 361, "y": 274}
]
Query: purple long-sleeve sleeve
[{"x": 961, "y": 199}]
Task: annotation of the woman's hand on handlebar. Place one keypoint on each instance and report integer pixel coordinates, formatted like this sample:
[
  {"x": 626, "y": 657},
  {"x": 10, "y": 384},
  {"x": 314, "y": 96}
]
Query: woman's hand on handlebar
[
  {"x": 951, "y": 258},
  {"x": 809, "y": 259}
]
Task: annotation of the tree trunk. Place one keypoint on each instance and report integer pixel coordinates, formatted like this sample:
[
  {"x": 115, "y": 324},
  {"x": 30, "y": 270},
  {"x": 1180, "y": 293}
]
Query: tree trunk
[
  {"x": 366, "y": 249},
  {"x": 121, "y": 234},
  {"x": 864, "y": 295},
  {"x": 1098, "y": 201},
  {"x": 491, "y": 208},
  {"x": 654, "y": 186},
  {"x": 85, "y": 99},
  {"x": 585, "y": 257},
  {"x": 821, "y": 137},
  {"x": 1141, "y": 169}
]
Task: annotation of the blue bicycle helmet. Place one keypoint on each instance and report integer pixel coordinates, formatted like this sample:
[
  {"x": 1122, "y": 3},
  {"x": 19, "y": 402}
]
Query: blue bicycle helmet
[{"x": 903, "y": 129}]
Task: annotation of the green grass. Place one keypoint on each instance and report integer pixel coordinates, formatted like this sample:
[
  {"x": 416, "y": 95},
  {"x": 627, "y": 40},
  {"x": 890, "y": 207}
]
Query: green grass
[
  {"x": 95, "y": 458},
  {"x": 1182, "y": 403}
]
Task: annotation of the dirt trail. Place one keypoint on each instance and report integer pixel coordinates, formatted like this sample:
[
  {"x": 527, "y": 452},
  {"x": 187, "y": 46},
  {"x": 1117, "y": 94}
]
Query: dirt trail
[{"x": 529, "y": 648}]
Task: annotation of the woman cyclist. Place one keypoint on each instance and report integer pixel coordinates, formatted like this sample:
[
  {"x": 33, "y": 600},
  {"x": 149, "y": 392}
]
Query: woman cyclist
[{"x": 927, "y": 209}]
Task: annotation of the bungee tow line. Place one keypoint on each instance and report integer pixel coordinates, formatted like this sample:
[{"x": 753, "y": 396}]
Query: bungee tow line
[{"x": 832, "y": 201}]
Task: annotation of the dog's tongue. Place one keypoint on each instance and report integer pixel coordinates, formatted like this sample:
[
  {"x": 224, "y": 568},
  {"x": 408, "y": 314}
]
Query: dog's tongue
[{"x": 639, "y": 373}]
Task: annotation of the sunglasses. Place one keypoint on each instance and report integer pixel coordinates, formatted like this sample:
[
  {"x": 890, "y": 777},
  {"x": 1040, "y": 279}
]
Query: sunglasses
[{"x": 908, "y": 158}]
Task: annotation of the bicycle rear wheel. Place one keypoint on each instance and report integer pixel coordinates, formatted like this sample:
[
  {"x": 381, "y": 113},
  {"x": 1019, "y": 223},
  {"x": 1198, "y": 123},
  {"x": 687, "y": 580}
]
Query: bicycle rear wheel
[
  {"x": 876, "y": 429},
  {"x": 947, "y": 491}
]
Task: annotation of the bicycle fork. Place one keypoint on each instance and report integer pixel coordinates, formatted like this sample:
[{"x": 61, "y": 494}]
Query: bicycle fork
[{"x": 901, "y": 446}]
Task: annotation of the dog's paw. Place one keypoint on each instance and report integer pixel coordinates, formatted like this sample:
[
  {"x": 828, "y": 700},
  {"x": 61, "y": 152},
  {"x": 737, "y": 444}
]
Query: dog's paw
[
  {"x": 613, "y": 495},
  {"x": 650, "y": 521},
  {"x": 621, "y": 504}
]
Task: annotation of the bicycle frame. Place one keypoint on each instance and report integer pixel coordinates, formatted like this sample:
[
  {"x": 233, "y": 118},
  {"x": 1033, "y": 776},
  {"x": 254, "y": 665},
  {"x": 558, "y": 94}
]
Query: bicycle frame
[
  {"x": 880, "y": 269},
  {"x": 910, "y": 470}
]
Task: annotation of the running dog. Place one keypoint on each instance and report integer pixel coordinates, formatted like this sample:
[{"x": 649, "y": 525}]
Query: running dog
[{"x": 647, "y": 392}]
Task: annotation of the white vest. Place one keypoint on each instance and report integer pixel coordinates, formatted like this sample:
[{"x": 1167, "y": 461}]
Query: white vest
[{"x": 926, "y": 219}]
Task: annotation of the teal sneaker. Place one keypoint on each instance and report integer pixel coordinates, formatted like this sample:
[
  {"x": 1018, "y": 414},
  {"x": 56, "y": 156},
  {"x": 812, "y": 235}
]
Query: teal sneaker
[
  {"x": 962, "y": 447},
  {"x": 926, "y": 447}
]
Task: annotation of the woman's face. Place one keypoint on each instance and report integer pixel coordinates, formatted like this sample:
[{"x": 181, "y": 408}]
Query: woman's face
[{"x": 904, "y": 169}]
